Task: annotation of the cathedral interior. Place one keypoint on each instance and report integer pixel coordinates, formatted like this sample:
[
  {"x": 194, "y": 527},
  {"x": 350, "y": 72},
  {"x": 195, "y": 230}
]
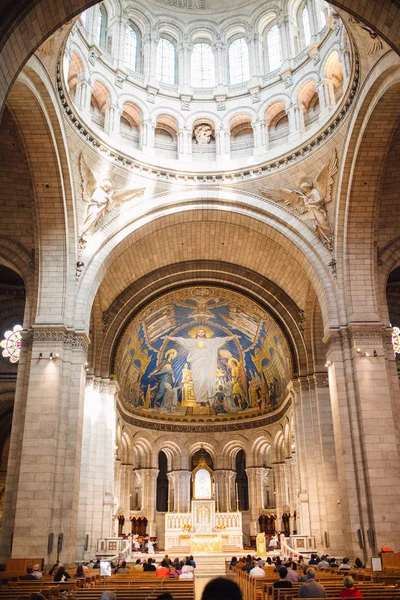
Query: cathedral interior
[{"x": 199, "y": 267}]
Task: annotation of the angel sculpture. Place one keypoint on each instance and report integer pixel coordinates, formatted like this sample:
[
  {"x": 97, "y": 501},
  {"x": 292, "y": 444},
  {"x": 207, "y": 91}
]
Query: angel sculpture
[
  {"x": 100, "y": 197},
  {"x": 311, "y": 199}
]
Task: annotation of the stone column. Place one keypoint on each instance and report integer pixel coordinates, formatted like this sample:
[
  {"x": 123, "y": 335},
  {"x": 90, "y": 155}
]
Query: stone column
[
  {"x": 42, "y": 485},
  {"x": 365, "y": 403},
  {"x": 283, "y": 25},
  {"x": 112, "y": 119},
  {"x": 314, "y": 25},
  {"x": 149, "y": 51},
  {"x": 182, "y": 490},
  {"x": 220, "y": 57},
  {"x": 148, "y": 129},
  {"x": 149, "y": 498},
  {"x": 278, "y": 470},
  {"x": 125, "y": 494},
  {"x": 97, "y": 502},
  {"x": 83, "y": 96},
  {"x": 254, "y": 42},
  {"x": 223, "y": 142},
  {"x": 255, "y": 477}
]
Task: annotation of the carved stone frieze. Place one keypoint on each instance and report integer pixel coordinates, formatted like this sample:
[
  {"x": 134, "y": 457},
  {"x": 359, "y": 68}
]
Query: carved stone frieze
[{"x": 67, "y": 338}]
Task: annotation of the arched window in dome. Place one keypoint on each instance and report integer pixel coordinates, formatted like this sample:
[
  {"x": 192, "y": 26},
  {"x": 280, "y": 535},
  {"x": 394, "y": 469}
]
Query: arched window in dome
[
  {"x": 101, "y": 25},
  {"x": 131, "y": 48},
  {"x": 166, "y": 61},
  {"x": 203, "y": 66},
  {"x": 274, "y": 48},
  {"x": 305, "y": 21},
  {"x": 239, "y": 61}
]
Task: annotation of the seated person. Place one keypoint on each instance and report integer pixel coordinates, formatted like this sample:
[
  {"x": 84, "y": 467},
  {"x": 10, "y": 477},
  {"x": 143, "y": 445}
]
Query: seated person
[
  {"x": 123, "y": 569},
  {"x": 79, "y": 573},
  {"x": 291, "y": 572},
  {"x": 323, "y": 563},
  {"x": 163, "y": 569},
  {"x": 187, "y": 570},
  {"x": 61, "y": 575},
  {"x": 37, "y": 572},
  {"x": 349, "y": 591},
  {"x": 149, "y": 565},
  {"x": 234, "y": 562},
  {"x": 138, "y": 565},
  {"x": 248, "y": 566},
  {"x": 256, "y": 571},
  {"x": 192, "y": 561},
  {"x": 29, "y": 575},
  {"x": 345, "y": 564},
  {"x": 282, "y": 583},
  {"x": 311, "y": 589}
]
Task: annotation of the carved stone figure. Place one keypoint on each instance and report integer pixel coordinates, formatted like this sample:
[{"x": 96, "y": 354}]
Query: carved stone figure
[
  {"x": 203, "y": 134},
  {"x": 311, "y": 199},
  {"x": 100, "y": 197}
]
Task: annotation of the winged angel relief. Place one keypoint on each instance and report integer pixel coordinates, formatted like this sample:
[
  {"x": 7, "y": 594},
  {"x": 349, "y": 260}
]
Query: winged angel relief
[
  {"x": 101, "y": 197},
  {"x": 311, "y": 199}
]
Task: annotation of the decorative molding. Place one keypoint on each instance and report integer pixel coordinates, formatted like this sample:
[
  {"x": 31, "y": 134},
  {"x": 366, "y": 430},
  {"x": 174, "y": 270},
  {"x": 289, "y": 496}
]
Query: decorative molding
[
  {"x": 68, "y": 338},
  {"x": 185, "y": 427},
  {"x": 357, "y": 334}
]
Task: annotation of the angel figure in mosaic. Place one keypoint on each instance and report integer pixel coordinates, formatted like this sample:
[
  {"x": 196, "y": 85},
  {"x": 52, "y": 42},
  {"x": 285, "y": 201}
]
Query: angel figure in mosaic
[
  {"x": 100, "y": 196},
  {"x": 311, "y": 199}
]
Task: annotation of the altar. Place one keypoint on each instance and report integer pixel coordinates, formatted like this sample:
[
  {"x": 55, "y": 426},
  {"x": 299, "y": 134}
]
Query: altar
[{"x": 204, "y": 529}]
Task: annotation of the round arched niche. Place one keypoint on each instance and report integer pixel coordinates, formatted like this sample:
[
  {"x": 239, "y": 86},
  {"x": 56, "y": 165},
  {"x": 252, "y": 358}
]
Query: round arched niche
[{"x": 203, "y": 354}]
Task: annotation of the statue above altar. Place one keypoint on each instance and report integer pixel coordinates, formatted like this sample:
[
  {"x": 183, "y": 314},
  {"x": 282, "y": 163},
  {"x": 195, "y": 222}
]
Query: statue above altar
[{"x": 203, "y": 482}]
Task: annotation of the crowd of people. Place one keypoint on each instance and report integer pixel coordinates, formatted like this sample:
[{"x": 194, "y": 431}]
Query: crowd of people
[{"x": 291, "y": 572}]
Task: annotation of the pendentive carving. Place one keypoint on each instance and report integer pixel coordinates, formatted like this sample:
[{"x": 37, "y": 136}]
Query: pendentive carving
[
  {"x": 101, "y": 198},
  {"x": 311, "y": 199}
]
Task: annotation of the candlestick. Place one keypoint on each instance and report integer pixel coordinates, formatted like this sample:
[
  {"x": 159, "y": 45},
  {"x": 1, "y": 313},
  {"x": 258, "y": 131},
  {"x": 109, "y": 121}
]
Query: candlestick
[
  {"x": 169, "y": 502},
  {"x": 217, "y": 505},
  {"x": 237, "y": 492},
  {"x": 237, "y": 505}
]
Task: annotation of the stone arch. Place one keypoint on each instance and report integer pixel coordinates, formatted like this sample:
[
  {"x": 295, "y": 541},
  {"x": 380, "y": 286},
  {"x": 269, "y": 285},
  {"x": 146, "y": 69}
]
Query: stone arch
[
  {"x": 378, "y": 111},
  {"x": 209, "y": 444},
  {"x": 238, "y": 112},
  {"x": 76, "y": 71},
  {"x": 34, "y": 108},
  {"x": 230, "y": 450},
  {"x": 142, "y": 452},
  {"x": 333, "y": 70},
  {"x": 305, "y": 246},
  {"x": 172, "y": 448}
]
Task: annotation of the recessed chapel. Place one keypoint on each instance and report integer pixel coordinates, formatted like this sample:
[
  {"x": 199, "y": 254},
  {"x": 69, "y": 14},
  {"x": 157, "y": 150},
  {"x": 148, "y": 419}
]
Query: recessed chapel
[{"x": 199, "y": 276}]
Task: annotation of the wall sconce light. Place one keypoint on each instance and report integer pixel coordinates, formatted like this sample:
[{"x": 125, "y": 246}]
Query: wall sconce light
[
  {"x": 328, "y": 363},
  {"x": 86, "y": 366},
  {"x": 50, "y": 357}
]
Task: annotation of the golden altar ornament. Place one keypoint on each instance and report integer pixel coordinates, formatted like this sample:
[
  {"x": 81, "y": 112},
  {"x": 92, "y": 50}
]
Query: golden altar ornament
[{"x": 208, "y": 544}]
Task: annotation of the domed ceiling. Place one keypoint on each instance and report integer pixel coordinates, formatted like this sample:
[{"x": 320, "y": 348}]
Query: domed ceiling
[{"x": 203, "y": 354}]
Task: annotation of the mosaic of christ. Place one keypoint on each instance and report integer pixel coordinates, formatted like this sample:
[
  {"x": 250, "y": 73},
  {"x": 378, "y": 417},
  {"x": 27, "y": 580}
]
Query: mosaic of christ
[{"x": 203, "y": 352}]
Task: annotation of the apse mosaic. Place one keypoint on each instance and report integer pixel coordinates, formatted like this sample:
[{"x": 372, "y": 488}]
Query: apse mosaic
[{"x": 203, "y": 352}]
